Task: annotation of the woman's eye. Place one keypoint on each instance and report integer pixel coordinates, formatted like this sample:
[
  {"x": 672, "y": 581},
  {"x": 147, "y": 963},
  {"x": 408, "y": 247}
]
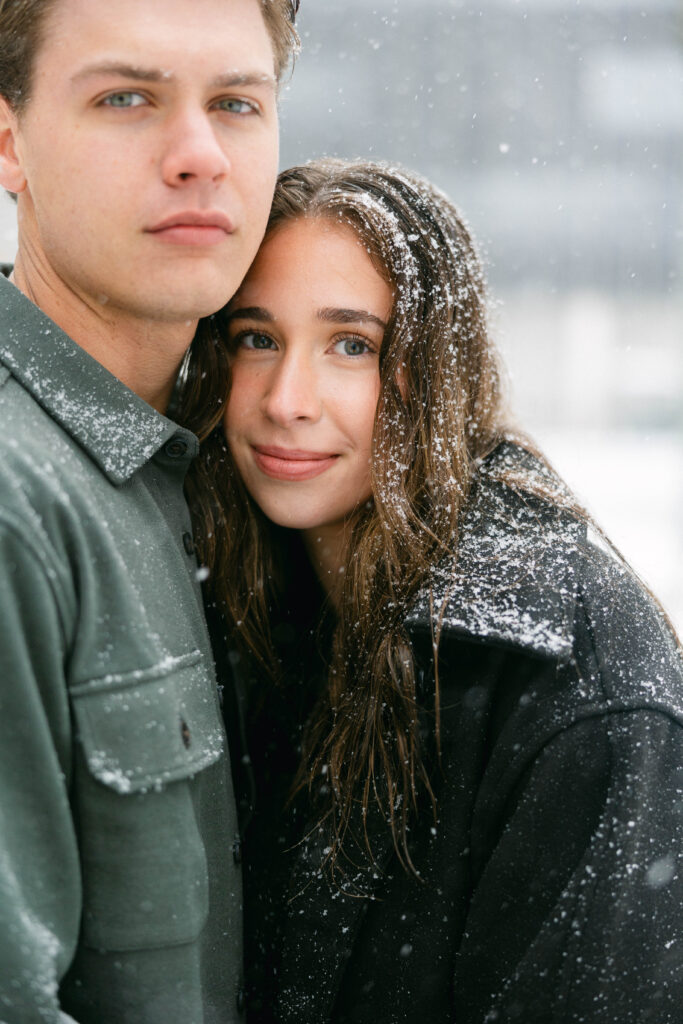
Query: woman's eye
[
  {"x": 254, "y": 340},
  {"x": 124, "y": 99},
  {"x": 352, "y": 347}
]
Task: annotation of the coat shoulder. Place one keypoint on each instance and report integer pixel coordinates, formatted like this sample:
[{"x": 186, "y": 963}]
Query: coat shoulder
[
  {"x": 531, "y": 573},
  {"x": 621, "y": 628}
]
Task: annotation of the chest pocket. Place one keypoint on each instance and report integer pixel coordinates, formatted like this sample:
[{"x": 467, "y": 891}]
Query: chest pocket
[{"x": 148, "y": 739}]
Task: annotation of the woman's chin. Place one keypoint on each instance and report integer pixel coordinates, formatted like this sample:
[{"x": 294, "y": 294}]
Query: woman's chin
[
  {"x": 300, "y": 515},
  {"x": 296, "y": 521}
]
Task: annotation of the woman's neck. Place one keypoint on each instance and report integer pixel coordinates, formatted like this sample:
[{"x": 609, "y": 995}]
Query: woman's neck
[{"x": 326, "y": 548}]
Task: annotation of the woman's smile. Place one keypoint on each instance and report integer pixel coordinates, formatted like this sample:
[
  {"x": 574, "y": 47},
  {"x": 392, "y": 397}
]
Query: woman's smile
[{"x": 291, "y": 464}]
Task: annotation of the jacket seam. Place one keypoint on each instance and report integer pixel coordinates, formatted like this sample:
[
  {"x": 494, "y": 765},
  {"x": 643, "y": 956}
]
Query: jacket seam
[
  {"x": 535, "y": 741},
  {"x": 50, "y": 569},
  {"x": 594, "y": 649},
  {"x": 116, "y": 681},
  {"x": 576, "y": 937},
  {"x": 577, "y": 934}
]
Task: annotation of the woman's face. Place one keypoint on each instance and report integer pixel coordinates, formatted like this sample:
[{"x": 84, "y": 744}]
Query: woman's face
[{"x": 306, "y": 329}]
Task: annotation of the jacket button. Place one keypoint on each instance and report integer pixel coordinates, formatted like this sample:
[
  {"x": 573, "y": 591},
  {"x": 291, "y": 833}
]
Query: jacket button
[
  {"x": 185, "y": 734},
  {"x": 176, "y": 448},
  {"x": 237, "y": 851},
  {"x": 241, "y": 1001},
  {"x": 188, "y": 543}
]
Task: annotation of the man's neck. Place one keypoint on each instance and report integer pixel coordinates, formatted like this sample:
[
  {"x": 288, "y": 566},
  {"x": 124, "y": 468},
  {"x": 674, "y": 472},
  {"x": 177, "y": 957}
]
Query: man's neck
[{"x": 145, "y": 355}]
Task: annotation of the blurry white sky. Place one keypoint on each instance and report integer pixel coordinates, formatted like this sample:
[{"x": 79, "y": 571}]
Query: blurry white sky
[{"x": 557, "y": 126}]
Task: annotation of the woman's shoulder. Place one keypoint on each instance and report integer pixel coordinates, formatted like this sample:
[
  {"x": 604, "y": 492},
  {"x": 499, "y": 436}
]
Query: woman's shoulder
[
  {"x": 511, "y": 578},
  {"x": 532, "y": 574}
]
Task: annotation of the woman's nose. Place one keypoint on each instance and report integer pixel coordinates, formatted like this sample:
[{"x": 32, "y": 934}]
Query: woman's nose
[{"x": 293, "y": 394}]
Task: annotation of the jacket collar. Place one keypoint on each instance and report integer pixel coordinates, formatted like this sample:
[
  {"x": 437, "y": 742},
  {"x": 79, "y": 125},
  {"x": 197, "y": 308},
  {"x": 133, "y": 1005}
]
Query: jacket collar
[
  {"x": 513, "y": 580},
  {"x": 118, "y": 429}
]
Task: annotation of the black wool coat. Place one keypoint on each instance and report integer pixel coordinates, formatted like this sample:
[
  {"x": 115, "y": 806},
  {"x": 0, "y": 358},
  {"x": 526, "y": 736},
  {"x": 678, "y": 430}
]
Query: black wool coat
[{"x": 550, "y": 885}]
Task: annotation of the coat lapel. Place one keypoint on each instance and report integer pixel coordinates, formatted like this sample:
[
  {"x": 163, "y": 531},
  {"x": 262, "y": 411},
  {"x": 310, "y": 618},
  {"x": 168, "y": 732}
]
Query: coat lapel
[{"x": 323, "y": 920}]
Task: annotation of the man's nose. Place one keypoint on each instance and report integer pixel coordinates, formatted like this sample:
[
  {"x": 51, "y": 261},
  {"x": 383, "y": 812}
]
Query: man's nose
[
  {"x": 294, "y": 393},
  {"x": 194, "y": 151}
]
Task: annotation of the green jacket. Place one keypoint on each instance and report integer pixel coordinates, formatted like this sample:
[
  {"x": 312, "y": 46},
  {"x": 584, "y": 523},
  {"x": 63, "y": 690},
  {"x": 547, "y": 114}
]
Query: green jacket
[{"x": 120, "y": 897}]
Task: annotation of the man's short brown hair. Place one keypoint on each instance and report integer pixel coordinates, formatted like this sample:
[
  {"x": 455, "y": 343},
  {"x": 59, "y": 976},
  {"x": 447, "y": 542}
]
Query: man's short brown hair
[
  {"x": 21, "y": 23},
  {"x": 20, "y": 36},
  {"x": 279, "y": 18}
]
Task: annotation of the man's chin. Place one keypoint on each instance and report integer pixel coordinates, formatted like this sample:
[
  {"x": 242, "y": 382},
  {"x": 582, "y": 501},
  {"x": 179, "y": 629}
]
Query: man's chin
[{"x": 174, "y": 304}]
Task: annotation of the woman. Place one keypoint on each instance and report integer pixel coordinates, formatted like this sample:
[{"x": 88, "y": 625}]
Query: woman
[{"x": 459, "y": 718}]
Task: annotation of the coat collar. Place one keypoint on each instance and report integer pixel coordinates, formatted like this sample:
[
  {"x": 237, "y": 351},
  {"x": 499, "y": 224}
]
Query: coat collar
[
  {"x": 118, "y": 429},
  {"x": 513, "y": 581}
]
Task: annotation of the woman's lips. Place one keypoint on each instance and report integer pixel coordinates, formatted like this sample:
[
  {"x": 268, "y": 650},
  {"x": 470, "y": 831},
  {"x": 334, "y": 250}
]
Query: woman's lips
[{"x": 291, "y": 464}]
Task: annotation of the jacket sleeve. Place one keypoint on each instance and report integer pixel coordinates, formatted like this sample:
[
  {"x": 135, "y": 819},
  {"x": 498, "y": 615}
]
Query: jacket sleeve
[
  {"x": 40, "y": 897},
  {"x": 576, "y": 910}
]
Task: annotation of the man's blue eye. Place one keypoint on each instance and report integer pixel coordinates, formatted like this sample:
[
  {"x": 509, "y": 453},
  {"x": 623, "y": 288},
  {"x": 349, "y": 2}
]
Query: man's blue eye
[
  {"x": 125, "y": 99},
  {"x": 236, "y": 106}
]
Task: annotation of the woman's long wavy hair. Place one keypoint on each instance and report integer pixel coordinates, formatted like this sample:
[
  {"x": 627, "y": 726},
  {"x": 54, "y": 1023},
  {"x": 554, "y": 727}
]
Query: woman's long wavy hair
[{"x": 439, "y": 410}]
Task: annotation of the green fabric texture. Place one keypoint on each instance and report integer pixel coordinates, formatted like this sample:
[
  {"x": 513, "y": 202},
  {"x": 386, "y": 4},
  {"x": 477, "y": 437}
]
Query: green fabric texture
[{"x": 119, "y": 897}]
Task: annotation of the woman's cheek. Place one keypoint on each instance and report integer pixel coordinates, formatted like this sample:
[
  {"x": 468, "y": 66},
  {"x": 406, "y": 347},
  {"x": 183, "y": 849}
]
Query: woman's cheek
[{"x": 242, "y": 399}]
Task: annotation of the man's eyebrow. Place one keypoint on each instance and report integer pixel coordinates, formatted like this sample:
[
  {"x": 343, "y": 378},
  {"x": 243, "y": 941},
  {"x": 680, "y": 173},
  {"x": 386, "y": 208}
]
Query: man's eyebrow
[
  {"x": 138, "y": 73},
  {"x": 339, "y": 315},
  {"x": 232, "y": 78},
  {"x": 257, "y": 313}
]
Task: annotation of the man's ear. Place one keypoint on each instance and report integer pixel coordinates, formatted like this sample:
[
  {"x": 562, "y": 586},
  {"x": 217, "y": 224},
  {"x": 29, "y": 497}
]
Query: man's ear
[{"x": 12, "y": 176}]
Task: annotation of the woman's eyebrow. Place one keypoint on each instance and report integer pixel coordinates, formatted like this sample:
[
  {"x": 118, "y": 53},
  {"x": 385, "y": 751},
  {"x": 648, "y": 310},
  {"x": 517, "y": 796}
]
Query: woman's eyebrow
[
  {"x": 257, "y": 313},
  {"x": 340, "y": 315}
]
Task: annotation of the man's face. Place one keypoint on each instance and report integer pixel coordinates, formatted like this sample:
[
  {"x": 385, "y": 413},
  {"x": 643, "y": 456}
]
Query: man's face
[{"x": 149, "y": 150}]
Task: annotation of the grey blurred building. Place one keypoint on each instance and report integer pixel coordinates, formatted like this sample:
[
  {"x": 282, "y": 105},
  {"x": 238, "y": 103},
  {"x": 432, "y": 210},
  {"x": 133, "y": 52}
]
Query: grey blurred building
[{"x": 556, "y": 124}]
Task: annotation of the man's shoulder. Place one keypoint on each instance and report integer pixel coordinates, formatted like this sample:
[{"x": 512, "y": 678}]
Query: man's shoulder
[
  {"x": 39, "y": 462},
  {"x": 24, "y": 423}
]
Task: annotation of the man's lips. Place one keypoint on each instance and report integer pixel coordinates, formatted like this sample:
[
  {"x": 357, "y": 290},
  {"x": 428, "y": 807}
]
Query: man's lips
[
  {"x": 291, "y": 463},
  {"x": 193, "y": 227}
]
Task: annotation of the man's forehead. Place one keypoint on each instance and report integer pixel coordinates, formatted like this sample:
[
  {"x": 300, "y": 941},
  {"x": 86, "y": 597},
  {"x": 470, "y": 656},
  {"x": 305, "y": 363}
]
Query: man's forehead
[{"x": 157, "y": 37}]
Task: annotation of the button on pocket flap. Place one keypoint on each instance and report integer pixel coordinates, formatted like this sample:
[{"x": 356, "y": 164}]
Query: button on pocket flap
[{"x": 140, "y": 730}]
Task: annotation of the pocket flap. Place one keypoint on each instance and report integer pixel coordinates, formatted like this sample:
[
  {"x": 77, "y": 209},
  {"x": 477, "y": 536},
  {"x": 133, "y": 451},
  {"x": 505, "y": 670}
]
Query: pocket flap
[{"x": 143, "y": 729}]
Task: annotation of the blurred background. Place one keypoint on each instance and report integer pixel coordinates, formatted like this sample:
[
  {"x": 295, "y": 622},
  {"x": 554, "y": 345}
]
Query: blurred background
[{"x": 557, "y": 127}]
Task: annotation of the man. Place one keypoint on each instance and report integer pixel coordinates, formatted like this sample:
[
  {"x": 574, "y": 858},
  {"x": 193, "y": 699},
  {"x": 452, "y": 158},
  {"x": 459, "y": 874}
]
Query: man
[{"x": 140, "y": 139}]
